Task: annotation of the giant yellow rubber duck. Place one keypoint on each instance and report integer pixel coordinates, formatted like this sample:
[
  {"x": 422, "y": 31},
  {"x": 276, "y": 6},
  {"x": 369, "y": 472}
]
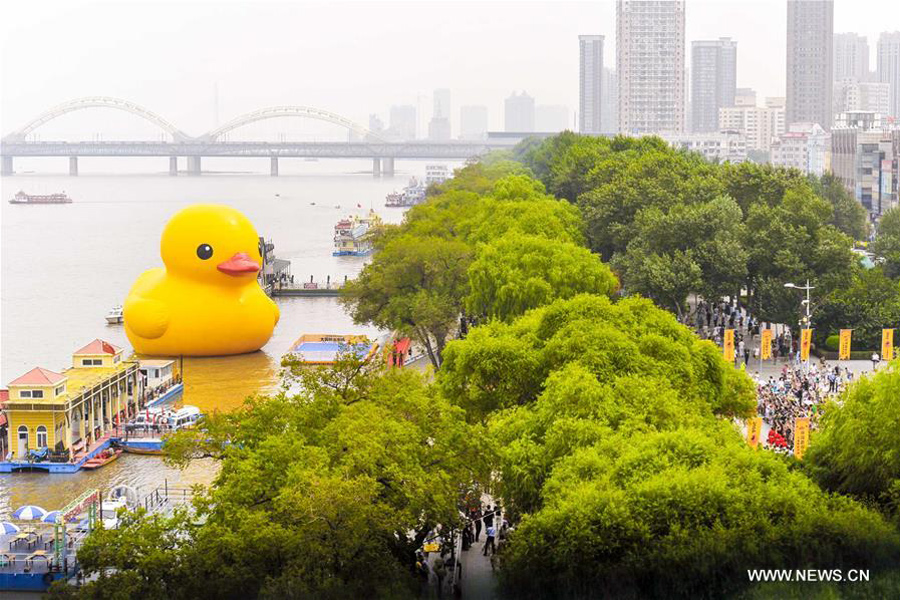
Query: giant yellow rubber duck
[{"x": 206, "y": 301}]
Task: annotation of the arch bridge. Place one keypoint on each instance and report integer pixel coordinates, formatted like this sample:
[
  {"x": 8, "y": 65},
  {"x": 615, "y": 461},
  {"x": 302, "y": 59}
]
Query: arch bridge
[{"x": 362, "y": 142}]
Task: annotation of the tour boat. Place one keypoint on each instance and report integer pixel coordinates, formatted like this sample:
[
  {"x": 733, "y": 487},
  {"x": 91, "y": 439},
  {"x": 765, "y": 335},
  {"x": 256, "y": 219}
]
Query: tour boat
[
  {"x": 23, "y": 198},
  {"x": 412, "y": 194},
  {"x": 114, "y": 316},
  {"x": 102, "y": 459},
  {"x": 352, "y": 236}
]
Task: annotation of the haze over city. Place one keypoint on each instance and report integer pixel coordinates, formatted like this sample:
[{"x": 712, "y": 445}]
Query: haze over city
[{"x": 352, "y": 58}]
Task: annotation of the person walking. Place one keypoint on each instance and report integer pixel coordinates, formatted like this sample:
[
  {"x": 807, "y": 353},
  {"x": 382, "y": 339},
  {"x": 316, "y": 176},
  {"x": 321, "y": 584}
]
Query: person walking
[
  {"x": 476, "y": 516},
  {"x": 875, "y": 360},
  {"x": 489, "y": 540}
]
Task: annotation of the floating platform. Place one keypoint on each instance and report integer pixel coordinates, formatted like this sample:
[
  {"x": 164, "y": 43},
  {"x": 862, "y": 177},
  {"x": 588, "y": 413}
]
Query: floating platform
[
  {"x": 20, "y": 466},
  {"x": 323, "y": 348}
]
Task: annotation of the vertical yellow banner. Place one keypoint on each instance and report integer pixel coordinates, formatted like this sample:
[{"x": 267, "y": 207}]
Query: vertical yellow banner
[
  {"x": 728, "y": 345},
  {"x": 887, "y": 344},
  {"x": 805, "y": 341},
  {"x": 765, "y": 344},
  {"x": 754, "y": 428},
  {"x": 801, "y": 437},
  {"x": 844, "y": 353}
]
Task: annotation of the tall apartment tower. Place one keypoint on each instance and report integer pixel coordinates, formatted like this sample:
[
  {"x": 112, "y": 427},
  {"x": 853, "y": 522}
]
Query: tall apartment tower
[
  {"x": 590, "y": 83},
  {"x": 650, "y": 66},
  {"x": 889, "y": 69},
  {"x": 519, "y": 113},
  {"x": 609, "y": 103},
  {"x": 810, "y": 34},
  {"x": 851, "y": 57},
  {"x": 713, "y": 81}
]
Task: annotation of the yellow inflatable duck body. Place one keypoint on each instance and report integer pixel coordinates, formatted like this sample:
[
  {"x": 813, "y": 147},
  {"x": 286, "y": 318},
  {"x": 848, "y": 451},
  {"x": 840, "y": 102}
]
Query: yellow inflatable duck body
[{"x": 206, "y": 301}]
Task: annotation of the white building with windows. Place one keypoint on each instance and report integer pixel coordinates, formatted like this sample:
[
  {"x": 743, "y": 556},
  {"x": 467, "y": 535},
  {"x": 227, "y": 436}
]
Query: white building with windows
[
  {"x": 722, "y": 146},
  {"x": 805, "y": 146},
  {"x": 760, "y": 125}
]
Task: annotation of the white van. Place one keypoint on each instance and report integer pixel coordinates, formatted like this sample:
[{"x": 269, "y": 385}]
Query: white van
[{"x": 184, "y": 417}]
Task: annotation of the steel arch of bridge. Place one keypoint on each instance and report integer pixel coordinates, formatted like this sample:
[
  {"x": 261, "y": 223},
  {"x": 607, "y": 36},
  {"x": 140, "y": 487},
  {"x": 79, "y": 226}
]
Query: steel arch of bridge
[
  {"x": 100, "y": 102},
  {"x": 307, "y": 112}
]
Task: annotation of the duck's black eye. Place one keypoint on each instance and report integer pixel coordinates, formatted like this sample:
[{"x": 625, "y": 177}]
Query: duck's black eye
[{"x": 204, "y": 251}]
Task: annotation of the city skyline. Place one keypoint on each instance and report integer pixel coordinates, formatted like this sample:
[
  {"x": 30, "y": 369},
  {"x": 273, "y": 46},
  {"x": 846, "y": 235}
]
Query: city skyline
[{"x": 541, "y": 57}]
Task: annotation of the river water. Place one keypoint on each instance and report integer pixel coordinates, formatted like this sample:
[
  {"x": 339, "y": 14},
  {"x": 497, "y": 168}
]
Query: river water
[{"x": 63, "y": 267}]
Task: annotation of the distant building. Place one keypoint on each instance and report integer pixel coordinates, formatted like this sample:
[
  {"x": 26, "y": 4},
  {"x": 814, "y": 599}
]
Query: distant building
[
  {"x": 889, "y": 69},
  {"x": 519, "y": 113},
  {"x": 810, "y": 35},
  {"x": 851, "y": 57},
  {"x": 650, "y": 66},
  {"x": 551, "y": 118},
  {"x": 804, "y": 146},
  {"x": 853, "y": 95},
  {"x": 758, "y": 124},
  {"x": 590, "y": 84},
  {"x": 439, "y": 128},
  {"x": 864, "y": 156},
  {"x": 473, "y": 122},
  {"x": 609, "y": 103},
  {"x": 402, "y": 123},
  {"x": 723, "y": 146},
  {"x": 713, "y": 81},
  {"x": 745, "y": 97},
  {"x": 376, "y": 125}
]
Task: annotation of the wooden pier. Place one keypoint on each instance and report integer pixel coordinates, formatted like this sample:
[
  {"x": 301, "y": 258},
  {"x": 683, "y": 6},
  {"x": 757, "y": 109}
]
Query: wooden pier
[{"x": 309, "y": 288}]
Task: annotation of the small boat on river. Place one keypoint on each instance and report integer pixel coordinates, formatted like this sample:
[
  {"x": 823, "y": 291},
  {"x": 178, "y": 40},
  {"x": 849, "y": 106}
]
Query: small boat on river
[
  {"x": 102, "y": 459},
  {"x": 115, "y": 316}
]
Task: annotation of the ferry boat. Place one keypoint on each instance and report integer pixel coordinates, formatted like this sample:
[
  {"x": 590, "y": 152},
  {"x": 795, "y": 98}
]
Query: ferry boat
[
  {"x": 114, "y": 316},
  {"x": 352, "y": 235},
  {"x": 144, "y": 434},
  {"x": 23, "y": 198},
  {"x": 412, "y": 194}
]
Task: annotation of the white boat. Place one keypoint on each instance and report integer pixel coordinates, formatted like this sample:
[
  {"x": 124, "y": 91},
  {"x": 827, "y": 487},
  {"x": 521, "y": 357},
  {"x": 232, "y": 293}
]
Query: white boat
[{"x": 114, "y": 316}]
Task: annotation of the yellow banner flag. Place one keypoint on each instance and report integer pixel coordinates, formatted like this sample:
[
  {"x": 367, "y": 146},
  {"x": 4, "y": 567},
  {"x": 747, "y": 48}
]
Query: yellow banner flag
[
  {"x": 844, "y": 353},
  {"x": 887, "y": 344},
  {"x": 801, "y": 437},
  {"x": 729, "y": 345},
  {"x": 805, "y": 341},
  {"x": 754, "y": 428},
  {"x": 765, "y": 345}
]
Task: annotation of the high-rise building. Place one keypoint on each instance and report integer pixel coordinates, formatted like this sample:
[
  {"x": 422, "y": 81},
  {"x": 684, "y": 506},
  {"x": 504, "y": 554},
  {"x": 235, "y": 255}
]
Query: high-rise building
[
  {"x": 609, "y": 102},
  {"x": 402, "y": 123},
  {"x": 473, "y": 122},
  {"x": 759, "y": 124},
  {"x": 590, "y": 83},
  {"x": 853, "y": 95},
  {"x": 650, "y": 66},
  {"x": 851, "y": 57},
  {"x": 439, "y": 127},
  {"x": 865, "y": 153},
  {"x": 551, "y": 118},
  {"x": 519, "y": 113},
  {"x": 810, "y": 35},
  {"x": 889, "y": 69},
  {"x": 713, "y": 81}
]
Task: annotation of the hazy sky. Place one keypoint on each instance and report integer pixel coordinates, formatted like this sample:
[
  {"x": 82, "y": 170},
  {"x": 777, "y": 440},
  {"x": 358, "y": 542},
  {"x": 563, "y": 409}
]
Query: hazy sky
[{"x": 353, "y": 58}]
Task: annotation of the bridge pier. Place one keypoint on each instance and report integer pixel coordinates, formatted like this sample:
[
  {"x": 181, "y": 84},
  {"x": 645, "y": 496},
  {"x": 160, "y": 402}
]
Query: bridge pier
[
  {"x": 173, "y": 166},
  {"x": 193, "y": 165},
  {"x": 273, "y": 166},
  {"x": 73, "y": 166},
  {"x": 376, "y": 167},
  {"x": 7, "y": 165},
  {"x": 388, "y": 167}
]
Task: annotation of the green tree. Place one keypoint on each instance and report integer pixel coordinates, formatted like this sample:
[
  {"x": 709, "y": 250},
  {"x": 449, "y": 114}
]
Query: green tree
[
  {"x": 886, "y": 246},
  {"x": 517, "y": 273},
  {"x": 848, "y": 215}
]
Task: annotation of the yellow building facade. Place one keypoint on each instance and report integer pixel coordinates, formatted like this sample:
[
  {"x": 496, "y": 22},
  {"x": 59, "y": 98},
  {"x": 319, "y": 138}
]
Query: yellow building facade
[{"x": 68, "y": 412}]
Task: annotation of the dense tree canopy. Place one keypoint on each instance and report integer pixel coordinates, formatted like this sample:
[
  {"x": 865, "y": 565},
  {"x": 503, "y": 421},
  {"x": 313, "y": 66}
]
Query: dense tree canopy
[{"x": 886, "y": 246}]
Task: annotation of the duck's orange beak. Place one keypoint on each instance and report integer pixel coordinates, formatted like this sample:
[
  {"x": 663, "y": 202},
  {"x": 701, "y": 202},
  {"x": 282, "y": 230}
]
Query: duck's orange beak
[{"x": 239, "y": 264}]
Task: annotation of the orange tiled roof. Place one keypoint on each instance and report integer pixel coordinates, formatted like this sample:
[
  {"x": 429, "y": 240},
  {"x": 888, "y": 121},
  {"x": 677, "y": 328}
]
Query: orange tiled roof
[
  {"x": 38, "y": 376},
  {"x": 98, "y": 346}
]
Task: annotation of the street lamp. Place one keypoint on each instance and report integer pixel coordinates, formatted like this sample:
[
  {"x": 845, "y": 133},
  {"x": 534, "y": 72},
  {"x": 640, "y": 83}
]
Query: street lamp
[{"x": 806, "y": 302}]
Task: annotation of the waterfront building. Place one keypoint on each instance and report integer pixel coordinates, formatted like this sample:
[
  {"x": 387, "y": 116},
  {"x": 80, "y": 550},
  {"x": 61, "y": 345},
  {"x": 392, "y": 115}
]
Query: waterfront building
[
  {"x": 650, "y": 66},
  {"x": 65, "y": 413},
  {"x": 519, "y": 113},
  {"x": 888, "y": 69},
  {"x": 804, "y": 146},
  {"x": 865, "y": 151},
  {"x": 758, "y": 124},
  {"x": 810, "y": 35},
  {"x": 402, "y": 124},
  {"x": 851, "y": 57},
  {"x": 713, "y": 81},
  {"x": 720, "y": 146},
  {"x": 590, "y": 84},
  {"x": 551, "y": 118},
  {"x": 473, "y": 122},
  {"x": 609, "y": 103}
]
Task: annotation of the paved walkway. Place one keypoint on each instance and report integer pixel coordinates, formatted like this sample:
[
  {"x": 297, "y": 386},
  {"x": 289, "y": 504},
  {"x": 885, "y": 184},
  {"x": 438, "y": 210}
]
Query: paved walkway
[{"x": 479, "y": 581}]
